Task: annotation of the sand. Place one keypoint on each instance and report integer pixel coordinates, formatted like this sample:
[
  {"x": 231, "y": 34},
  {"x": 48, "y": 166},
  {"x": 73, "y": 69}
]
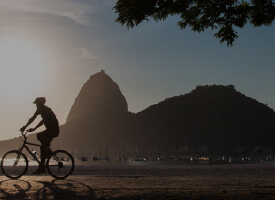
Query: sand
[{"x": 148, "y": 181}]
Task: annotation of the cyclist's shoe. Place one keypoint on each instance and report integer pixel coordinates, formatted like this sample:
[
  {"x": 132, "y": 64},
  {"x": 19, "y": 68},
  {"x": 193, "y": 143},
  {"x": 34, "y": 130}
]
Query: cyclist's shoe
[{"x": 40, "y": 170}]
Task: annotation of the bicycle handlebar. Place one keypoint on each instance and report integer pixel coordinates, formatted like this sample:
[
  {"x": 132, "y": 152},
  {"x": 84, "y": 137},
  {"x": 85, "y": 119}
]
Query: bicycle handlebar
[{"x": 24, "y": 134}]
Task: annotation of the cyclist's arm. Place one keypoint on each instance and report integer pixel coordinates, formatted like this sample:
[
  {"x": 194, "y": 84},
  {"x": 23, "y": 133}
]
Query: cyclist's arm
[
  {"x": 30, "y": 121},
  {"x": 38, "y": 125}
]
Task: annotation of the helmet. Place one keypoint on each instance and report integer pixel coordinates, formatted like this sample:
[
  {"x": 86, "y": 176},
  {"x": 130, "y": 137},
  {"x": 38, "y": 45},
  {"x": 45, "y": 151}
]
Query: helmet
[{"x": 40, "y": 100}]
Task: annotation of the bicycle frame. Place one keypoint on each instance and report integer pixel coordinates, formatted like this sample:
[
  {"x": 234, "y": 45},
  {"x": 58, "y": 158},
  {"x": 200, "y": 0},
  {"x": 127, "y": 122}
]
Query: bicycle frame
[{"x": 24, "y": 145}]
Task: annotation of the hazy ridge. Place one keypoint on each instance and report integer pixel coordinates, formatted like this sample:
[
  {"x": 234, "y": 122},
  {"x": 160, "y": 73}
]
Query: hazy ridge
[{"x": 214, "y": 118}]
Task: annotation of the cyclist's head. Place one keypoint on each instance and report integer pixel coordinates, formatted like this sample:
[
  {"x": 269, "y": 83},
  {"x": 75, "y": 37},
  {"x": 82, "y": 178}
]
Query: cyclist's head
[{"x": 40, "y": 101}]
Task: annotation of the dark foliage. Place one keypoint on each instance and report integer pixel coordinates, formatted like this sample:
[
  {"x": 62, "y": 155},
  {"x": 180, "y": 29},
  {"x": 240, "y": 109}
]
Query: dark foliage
[{"x": 223, "y": 15}]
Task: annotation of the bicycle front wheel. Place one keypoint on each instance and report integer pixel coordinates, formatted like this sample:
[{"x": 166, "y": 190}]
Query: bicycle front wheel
[
  {"x": 14, "y": 164},
  {"x": 60, "y": 164}
]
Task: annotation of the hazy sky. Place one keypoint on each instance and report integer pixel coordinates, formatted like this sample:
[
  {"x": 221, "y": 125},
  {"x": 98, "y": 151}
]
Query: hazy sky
[{"x": 50, "y": 48}]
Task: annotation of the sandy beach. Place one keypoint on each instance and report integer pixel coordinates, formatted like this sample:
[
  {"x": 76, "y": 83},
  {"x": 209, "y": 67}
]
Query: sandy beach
[{"x": 147, "y": 181}]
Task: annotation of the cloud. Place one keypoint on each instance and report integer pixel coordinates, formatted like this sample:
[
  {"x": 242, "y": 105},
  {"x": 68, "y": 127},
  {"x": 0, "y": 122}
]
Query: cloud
[
  {"x": 86, "y": 55},
  {"x": 76, "y": 10}
]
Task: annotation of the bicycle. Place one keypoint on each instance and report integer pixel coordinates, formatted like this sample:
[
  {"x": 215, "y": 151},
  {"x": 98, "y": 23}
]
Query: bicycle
[{"x": 14, "y": 164}]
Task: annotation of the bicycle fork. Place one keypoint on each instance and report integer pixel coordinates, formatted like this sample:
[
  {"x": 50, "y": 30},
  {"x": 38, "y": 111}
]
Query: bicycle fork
[{"x": 16, "y": 160}]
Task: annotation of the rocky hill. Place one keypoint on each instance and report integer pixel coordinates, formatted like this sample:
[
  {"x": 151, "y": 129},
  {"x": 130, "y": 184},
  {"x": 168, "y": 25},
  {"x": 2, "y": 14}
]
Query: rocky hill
[
  {"x": 99, "y": 95},
  {"x": 216, "y": 117},
  {"x": 97, "y": 116}
]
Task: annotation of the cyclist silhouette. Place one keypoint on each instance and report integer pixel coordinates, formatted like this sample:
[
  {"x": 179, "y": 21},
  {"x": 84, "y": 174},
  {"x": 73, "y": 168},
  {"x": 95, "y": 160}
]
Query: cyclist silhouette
[{"x": 45, "y": 137}]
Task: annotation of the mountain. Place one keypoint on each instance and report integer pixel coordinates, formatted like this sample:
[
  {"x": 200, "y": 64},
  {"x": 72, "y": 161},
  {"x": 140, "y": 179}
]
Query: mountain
[
  {"x": 99, "y": 95},
  {"x": 217, "y": 119},
  {"x": 98, "y": 115},
  {"x": 213, "y": 116},
  {"x": 96, "y": 118}
]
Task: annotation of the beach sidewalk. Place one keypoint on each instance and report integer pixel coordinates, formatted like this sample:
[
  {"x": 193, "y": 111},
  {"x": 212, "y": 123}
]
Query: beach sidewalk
[{"x": 240, "y": 182}]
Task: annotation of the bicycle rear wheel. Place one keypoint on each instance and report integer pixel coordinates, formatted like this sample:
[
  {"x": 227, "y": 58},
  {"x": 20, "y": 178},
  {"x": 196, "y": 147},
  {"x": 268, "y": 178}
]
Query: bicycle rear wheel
[
  {"x": 60, "y": 164},
  {"x": 14, "y": 164}
]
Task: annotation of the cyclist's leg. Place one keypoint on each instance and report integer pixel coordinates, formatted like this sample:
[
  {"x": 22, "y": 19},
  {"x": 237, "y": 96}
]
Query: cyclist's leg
[
  {"x": 50, "y": 134},
  {"x": 45, "y": 139}
]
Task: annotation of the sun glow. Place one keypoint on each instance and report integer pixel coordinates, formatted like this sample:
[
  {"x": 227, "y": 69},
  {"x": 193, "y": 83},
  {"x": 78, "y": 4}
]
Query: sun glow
[{"x": 23, "y": 68}]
